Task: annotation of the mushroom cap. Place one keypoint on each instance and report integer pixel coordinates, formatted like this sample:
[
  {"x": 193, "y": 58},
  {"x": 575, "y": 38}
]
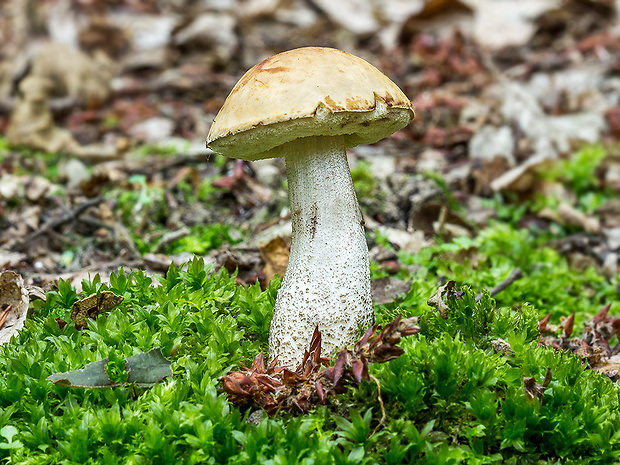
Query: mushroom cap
[{"x": 305, "y": 92}]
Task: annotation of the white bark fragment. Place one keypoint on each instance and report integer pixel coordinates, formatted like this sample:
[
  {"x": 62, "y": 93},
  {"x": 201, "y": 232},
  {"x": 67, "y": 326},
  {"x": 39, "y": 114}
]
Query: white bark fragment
[{"x": 327, "y": 281}]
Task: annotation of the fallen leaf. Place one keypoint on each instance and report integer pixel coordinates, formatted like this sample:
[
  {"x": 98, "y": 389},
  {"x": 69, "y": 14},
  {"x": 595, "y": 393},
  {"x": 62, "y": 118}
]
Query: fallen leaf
[
  {"x": 439, "y": 298},
  {"x": 535, "y": 390},
  {"x": 37, "y": 187},
  {"x": 13, "y": 305},
  {"x": 275, "y": 255},
  {"x": 75, "y": 72},
  {"x": 93, "y": 306},
  {"x": 521, "y": 177},
  {"x": 11, "y": 186},
  {"x": 409, "y": 242},
  {"x": 388, "y": 289},
  {"x": 212, "y": 31},
  {"x": 547, "y": 135},
  {"x": 10, "y": 259},
  {"x": 92, "y": 375},
  {"x": 613, "y": 237},
  {"x": 147, "y": 368},
  {"x": 574, "y": 217},
  {"x": 144, "y": 370},
  {"x": 357, "y": 16},
  {"x": 610, "y": 369},
  {"x": 32, "y": 123},
  {"x": 507, "y": 23}
]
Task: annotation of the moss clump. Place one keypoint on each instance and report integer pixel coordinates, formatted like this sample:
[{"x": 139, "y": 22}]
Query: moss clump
[{"x": 450, "y": 398}]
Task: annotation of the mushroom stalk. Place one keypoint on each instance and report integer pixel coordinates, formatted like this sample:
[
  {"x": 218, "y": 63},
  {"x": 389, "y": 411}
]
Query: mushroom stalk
[{"x": 327, "y": 280}]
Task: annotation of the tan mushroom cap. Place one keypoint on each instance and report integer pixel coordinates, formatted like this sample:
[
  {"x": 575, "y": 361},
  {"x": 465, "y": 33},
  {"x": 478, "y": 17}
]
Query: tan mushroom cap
[{"x": 307, "y": 92}]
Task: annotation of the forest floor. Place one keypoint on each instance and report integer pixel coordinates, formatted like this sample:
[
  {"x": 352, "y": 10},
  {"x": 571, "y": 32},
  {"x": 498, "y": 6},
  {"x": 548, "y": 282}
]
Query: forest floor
[{"x": 507, "y": 180}]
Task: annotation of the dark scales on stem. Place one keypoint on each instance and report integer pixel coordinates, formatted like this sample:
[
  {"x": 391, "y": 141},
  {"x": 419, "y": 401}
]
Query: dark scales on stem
[{"x": 314, "y": 219}]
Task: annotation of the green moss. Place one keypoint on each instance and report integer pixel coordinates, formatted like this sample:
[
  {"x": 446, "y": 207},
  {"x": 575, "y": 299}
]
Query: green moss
[
  {"x": 448, "y": 399},
  {"x": 370, "y": 197},
  {"x": 578, "y": 171},
  {"x": 205, "y": 238}
]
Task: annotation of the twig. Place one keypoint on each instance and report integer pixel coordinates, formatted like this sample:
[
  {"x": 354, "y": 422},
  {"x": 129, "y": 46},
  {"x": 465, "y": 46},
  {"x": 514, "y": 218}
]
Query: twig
[
  {"x": 170, "y": 237},
  {"x": 441, "y": 221},
  {"x": 96, "y": 223},
  {"x": 64, "y": 219},
  {"x": 57, "y": 106},
  {"x": 272, "y": 222},
  {"x": 182, "y": 159},
  {"x": 514, "y": 275},
  {"x": 380, "y": 403}
]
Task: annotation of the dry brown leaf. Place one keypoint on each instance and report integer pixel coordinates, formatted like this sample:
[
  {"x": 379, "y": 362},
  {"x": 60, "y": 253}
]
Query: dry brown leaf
[
  {"x": 93, "y": 306},
  {"x": 486, "y": 171},
  {"x": 58, "y": 70},
  {"x": 10, "y": 259},
  {"x": 439, "y": 298},
  {"x": 593, "y": 346},
  {"x": 521, "y": 177},
  {"x": 275, "y": 255},
  {"x": 14, "y": 302},
  {"x": 31, "y": 216},
  {"x": 75, "y": 73},
  {"x": 535, "y": 390},
  {"x": 32, "y": 123},
  {"x": 37, "y": 187},
  {"x": 388, "y": 289},
  {"x": 610, "y": 369},
  {"x": 507, "y": 23},
  {"x": 574, "y": 217}
]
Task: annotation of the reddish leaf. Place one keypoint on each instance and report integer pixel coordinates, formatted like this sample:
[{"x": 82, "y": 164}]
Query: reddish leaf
[
  {"x": 358, "y": 370},
  {"x": 290, "y": 378},
  {"x": 568, "y": 326},
  {"x": 258, "y": 365},
  {"x": 270, "y": 383},
  {"x": 602, "y": 314},
  {"x": 320, "y": 391},
  {"x": 340, "y": 365},
  {"x": 370, "y": 332},
  {"x": 542, "y": 324}
]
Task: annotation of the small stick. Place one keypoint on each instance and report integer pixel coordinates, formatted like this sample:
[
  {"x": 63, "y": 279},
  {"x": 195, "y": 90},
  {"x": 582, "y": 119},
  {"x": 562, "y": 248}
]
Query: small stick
[
  {"x": 170, "y": 237},
  {"x": 272, "y": 222},
  {"x": 441, "y": 221},
  {"x": 5, "y": 314},
  {"x": 53, "y": 224},
  {"x": 380, "y": 403},
  {"x": 514, "y": 275}
]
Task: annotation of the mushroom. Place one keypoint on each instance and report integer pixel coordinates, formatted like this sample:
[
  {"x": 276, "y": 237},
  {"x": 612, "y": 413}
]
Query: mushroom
[{"x": 309, "y": 105}]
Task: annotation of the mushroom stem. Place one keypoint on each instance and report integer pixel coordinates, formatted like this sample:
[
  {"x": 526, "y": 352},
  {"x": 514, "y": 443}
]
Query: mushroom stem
[{"x": 327, "y": 281}]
